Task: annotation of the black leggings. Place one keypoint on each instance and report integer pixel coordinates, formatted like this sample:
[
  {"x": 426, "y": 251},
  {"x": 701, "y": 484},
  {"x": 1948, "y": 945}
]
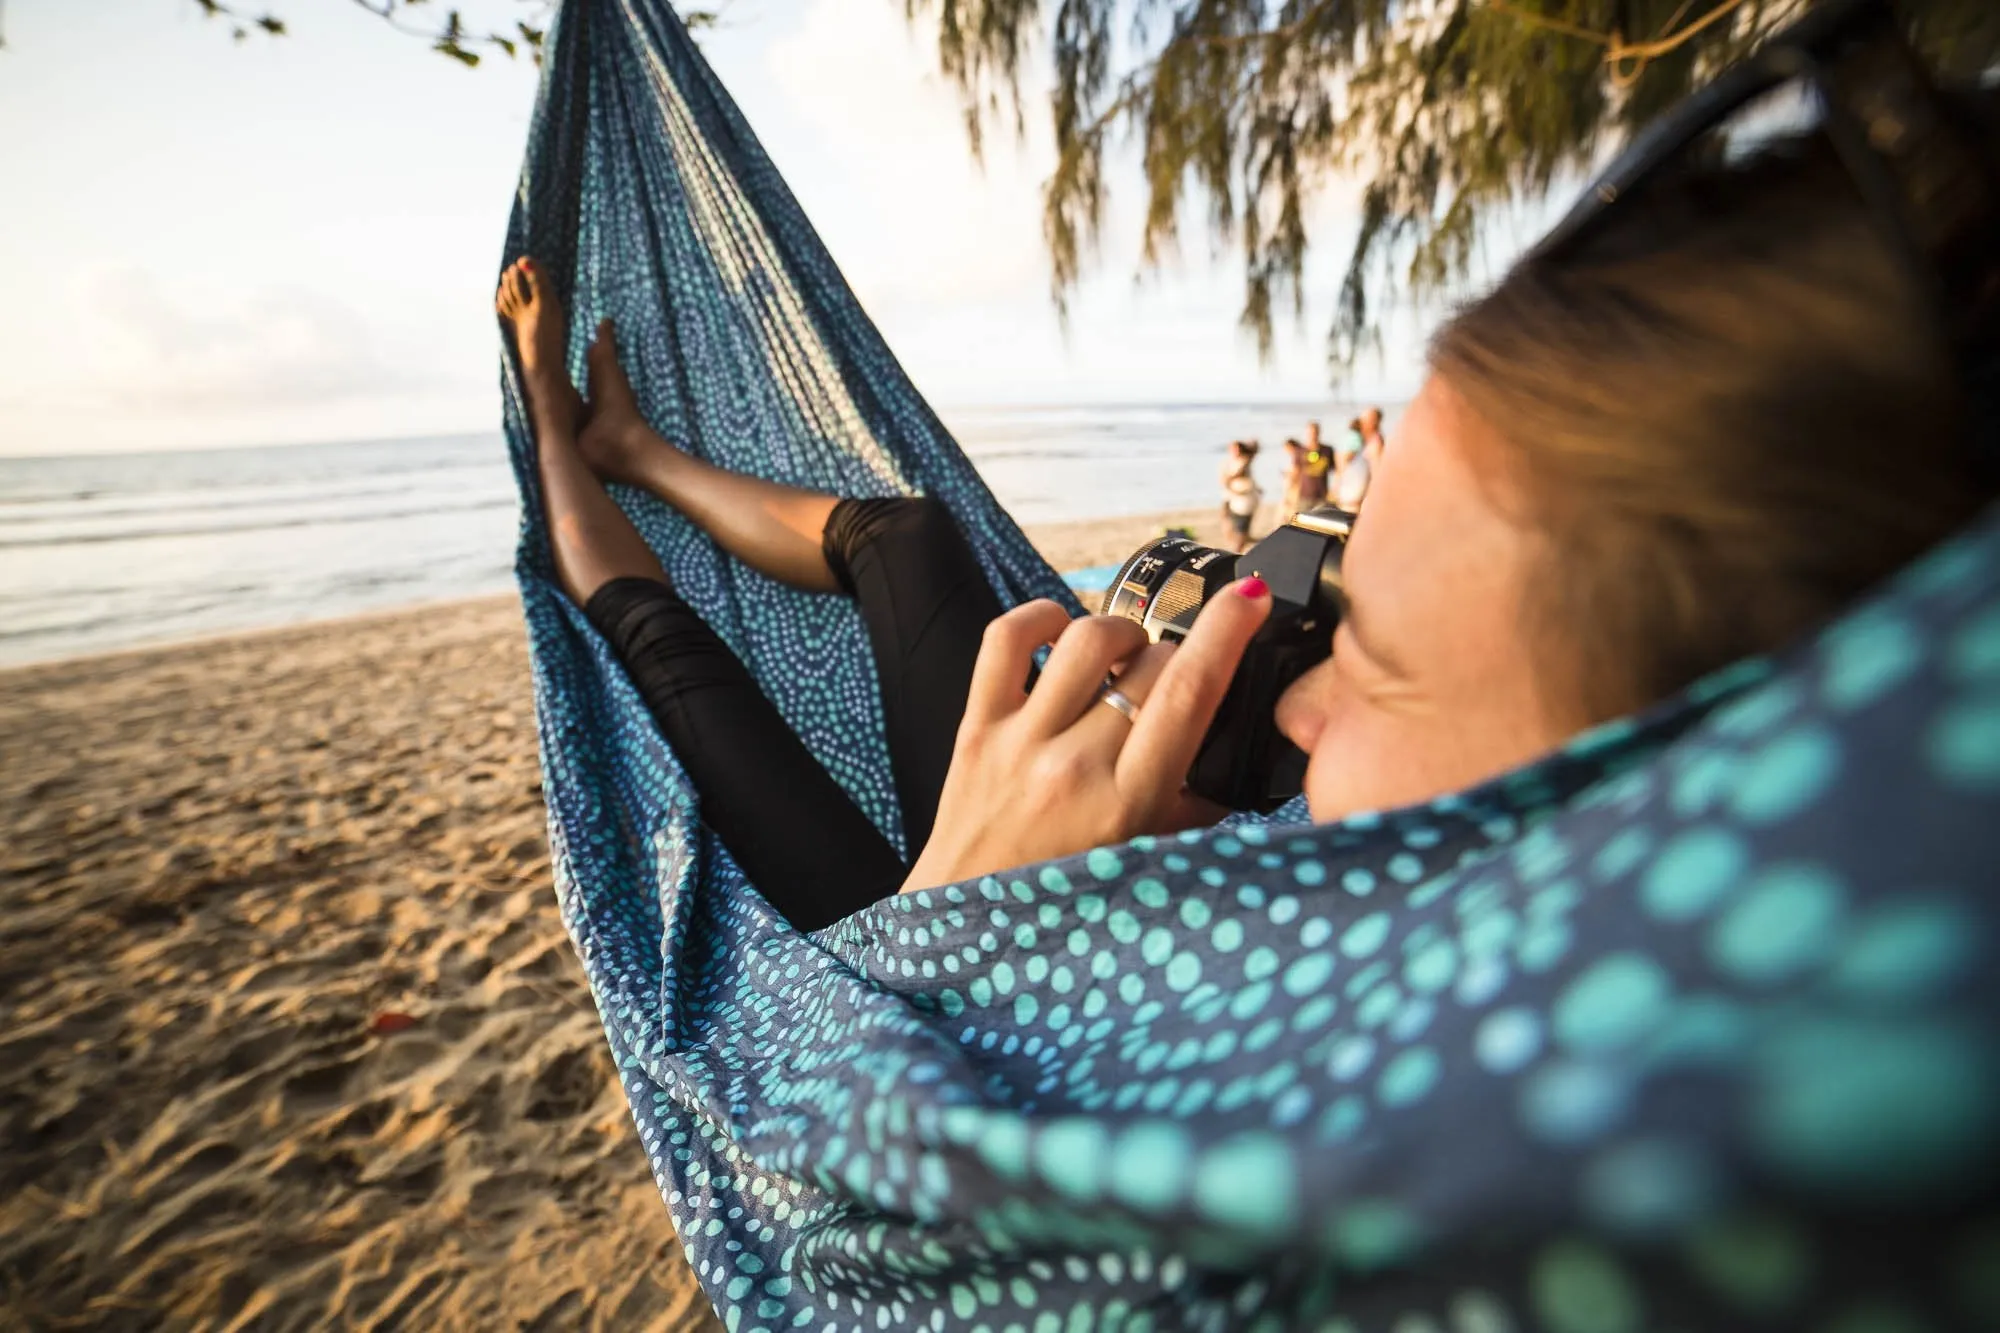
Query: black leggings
[{"x": 805, "y": 845}]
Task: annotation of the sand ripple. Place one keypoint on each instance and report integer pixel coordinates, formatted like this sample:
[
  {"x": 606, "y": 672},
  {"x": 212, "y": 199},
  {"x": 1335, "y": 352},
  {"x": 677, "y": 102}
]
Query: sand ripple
[{"x": 222, "y": 865}]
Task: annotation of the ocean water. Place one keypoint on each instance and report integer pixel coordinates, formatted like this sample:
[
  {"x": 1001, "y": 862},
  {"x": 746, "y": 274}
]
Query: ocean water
[{"x": 106, "y": 552}]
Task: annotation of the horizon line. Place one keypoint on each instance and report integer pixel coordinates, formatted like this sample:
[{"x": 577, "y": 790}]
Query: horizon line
[{"x": 1306, "y": 406}]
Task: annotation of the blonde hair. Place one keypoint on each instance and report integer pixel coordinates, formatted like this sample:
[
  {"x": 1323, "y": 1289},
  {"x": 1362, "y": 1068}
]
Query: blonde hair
[{"x": 1728, "y": 413}]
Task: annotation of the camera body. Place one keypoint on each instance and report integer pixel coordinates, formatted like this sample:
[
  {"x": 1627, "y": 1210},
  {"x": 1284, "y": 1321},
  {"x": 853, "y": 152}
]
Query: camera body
[{"x": 1244, "y": 763}]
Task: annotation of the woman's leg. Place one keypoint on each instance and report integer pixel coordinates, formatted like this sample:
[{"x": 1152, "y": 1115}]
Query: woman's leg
[
  {"x": 773, "y": 528},
  {"x": 789, "y": 826},
  {"x": 921, "y": 592},
  {"x": 797, "y": 836},
  {"x": 926, "y": 603},
  {"x": 592, "y": 539}
]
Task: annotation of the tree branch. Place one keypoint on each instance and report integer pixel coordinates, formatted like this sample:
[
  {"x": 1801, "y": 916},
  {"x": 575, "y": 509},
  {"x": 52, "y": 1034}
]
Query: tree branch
[
  {"x": 449, "y": 37},
  {"x": 1627, "y": 60}
]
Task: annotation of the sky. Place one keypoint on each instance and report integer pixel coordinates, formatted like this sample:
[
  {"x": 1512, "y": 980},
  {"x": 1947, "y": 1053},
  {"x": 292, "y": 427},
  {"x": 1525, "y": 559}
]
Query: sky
[{"x": 290, "y": 240}]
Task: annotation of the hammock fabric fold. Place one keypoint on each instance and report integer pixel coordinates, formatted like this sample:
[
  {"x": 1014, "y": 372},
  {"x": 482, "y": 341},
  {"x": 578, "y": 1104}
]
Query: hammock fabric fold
[{"x": 1654, "y": 1033}]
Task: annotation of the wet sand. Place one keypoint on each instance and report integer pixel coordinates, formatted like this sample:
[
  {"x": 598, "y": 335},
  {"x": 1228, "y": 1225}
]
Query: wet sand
[{"x": 290, "y": 1032}]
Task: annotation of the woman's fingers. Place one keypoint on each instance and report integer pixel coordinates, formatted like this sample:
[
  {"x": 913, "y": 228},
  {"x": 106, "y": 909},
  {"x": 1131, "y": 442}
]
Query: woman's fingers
[
  {"x": 1136, "y": 679},
  {"x": 1076, "y": 668},
  {"x": 1190, "y": 687},
  {"x": 1000, "y": 676}
]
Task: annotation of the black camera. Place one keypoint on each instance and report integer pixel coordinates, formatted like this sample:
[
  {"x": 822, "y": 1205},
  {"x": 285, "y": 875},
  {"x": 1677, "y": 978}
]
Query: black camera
[{"x": 1244, "y": 762}]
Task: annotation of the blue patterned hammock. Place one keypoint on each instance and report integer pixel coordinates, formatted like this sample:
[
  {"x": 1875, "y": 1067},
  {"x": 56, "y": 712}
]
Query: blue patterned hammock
[{"x": 1653, "y": 1033}]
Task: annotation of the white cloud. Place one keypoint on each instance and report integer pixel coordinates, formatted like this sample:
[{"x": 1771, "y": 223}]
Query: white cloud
[
  {"x": 152, "y": 345},
  {"x": 939, "y": 230},
  {"x": 132, "y": 358}
]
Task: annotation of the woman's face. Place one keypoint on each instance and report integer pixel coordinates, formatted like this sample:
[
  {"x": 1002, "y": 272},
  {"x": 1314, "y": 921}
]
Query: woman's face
[{"x": 1431, "y": 686}]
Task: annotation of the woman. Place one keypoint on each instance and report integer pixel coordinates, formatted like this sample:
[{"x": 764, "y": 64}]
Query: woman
[
  {"x": 1315, "y": 465},
  {"x": 1240, "y": 493},
  {"x": 1351, "y": 469},
  {"x": 1292, "y": 478},
  {"x": 1308, "y": 467},
  {"x": 1629, "y": 466}
]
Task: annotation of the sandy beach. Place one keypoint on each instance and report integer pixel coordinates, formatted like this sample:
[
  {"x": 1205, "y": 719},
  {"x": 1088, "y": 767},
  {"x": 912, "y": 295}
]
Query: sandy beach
[{"x": 292, "y": 1036}]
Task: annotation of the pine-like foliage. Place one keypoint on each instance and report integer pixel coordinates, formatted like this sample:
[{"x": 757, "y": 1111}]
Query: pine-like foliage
[{"x": 1448, "y": 110}]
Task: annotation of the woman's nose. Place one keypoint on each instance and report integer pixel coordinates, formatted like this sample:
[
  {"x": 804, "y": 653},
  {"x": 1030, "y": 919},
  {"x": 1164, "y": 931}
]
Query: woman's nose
[{"x": 1301, "y": 714}]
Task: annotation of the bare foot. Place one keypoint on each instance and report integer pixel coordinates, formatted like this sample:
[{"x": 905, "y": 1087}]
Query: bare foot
[
  {"x": 617, "y": 442},
  {"x": 527, "y": 300}
]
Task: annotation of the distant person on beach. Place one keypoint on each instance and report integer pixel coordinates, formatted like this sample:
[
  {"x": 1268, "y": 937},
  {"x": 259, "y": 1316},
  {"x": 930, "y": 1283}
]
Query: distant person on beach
[
  {"x": 1359, "y": 460},
  {"x": 1369, "y": 424},
  {"x": 1240, "y": 493},
  {"x": 1351, "y": 441},
  {"x": 1717, "y": 455},
  {"x": 1351, "y": 483},
  {"x": 1307, "y": 465},
  {"x": 1315, "y": 465},
  {"x": 1373, "y": 441},
  {"x": 1344, "y": 452},
  {"x": 1290, "y": 478}
]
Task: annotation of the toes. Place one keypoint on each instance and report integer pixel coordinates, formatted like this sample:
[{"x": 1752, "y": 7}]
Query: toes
[{"x": 522, "y": 282}]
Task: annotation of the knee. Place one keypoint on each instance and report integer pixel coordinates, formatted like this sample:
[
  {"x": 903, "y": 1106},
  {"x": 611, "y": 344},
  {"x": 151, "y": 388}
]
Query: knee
[
  {"x": 868, "y": 521},
  {"x": 919, "y": 521},
  {"x": 925, "y": 518},
  {"x": 648, "y": 624}
]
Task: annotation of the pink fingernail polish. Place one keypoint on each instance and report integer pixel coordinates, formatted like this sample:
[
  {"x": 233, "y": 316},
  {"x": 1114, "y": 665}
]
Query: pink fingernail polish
[{"x": 1253, "y": 587}]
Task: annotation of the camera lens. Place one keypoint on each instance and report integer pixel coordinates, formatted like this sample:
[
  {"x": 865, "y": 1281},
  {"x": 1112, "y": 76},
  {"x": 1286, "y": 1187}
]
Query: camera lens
[
  {"x": 1162, "y": 587},
  {"x": 1244, "y": 763}
]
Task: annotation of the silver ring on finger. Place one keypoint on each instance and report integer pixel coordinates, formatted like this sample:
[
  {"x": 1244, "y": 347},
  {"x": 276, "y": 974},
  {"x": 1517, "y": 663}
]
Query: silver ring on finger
[{"x": 1110, "y": 694}]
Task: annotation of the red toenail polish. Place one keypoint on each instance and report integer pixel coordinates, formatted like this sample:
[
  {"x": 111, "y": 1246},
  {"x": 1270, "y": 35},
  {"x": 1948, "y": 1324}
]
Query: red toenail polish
[{"x": 1253, "y": 587}]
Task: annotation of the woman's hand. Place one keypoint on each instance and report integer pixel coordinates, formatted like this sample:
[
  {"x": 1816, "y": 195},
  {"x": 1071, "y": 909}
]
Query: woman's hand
[{"x": 1041, "y": 775}]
